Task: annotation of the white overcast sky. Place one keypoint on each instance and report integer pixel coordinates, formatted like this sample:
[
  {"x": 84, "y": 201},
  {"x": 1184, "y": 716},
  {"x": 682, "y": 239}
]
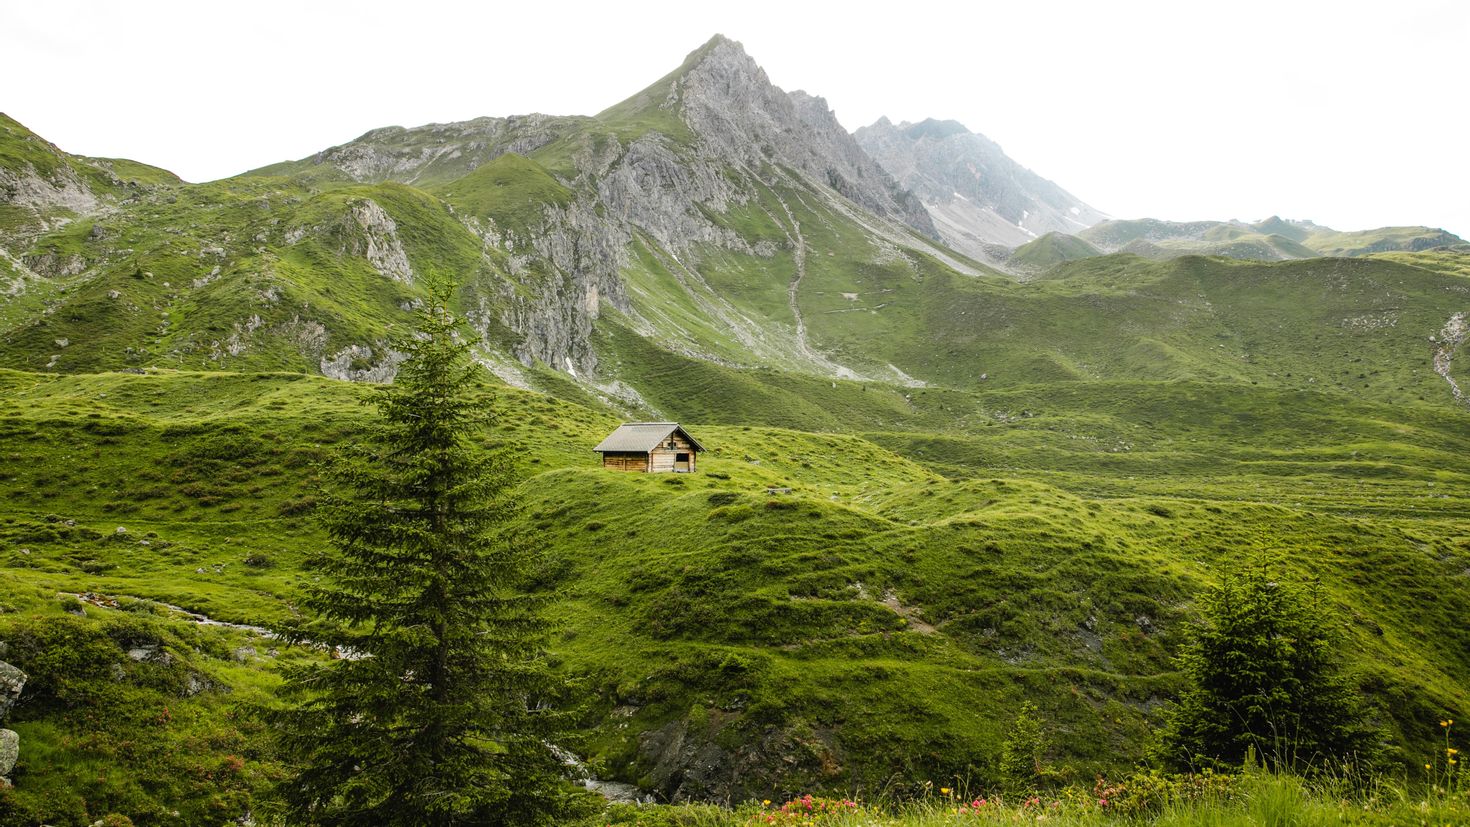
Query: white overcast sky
[{"x": 1352, "y": 114}]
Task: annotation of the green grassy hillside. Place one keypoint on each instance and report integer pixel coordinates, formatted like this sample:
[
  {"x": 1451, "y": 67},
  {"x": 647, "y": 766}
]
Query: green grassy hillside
[
  {"x": 877, "y": 624},
  {"x": 932, "y": 491},
  {"x": 1273, "y": 239},
  {"x": 1050, "y": 250}
]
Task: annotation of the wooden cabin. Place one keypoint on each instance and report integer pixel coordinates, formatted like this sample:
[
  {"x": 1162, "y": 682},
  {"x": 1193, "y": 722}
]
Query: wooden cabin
[{"x": 650, "y": 447}]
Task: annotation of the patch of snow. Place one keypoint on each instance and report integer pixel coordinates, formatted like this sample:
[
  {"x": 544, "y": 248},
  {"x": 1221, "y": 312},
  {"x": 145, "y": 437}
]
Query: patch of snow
[
  {"x": 1075, "y": 211},
  {"x": 570, "y": 369},
  {"x": 961, "y": 197}
]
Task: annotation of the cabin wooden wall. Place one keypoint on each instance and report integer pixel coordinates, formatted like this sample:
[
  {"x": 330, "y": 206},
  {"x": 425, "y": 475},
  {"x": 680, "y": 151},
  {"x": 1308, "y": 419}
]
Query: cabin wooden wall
[
  {"x": 662, "y": 458},
  {"x": 621, "y": 461}
]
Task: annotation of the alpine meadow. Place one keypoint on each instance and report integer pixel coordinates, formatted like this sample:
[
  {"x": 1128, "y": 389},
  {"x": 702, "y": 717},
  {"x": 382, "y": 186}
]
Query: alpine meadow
[{"x": 982, "y": 506}]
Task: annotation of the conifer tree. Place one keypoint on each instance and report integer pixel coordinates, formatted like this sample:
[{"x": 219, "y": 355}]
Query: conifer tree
[
  {"x": 435, "y": 712},
  {"x": 1020, "y": 753},
  {"x": 1264, "y": 679}
]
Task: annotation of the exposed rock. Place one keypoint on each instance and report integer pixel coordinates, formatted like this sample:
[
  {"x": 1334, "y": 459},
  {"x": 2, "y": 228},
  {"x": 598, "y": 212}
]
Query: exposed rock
[
  {"x": 977, "y": 196},
  {"x": 356, "y": 363},
  {"x": 440, "y": 151},
  {"x": 56, "y": 265},
  {"x": 9, "y": 753},
  {"x": 689, "y": 764},
  {"x": 1450, "y": 338},
  {"x": 742, "y": 118},
  {"x": 195, "y": 683},
  {"x": 377, "y": 240},
  {"x": 12, "y": 681},
  {"x": 61, "y": 189},
  {"x": 150, "y": 653}
]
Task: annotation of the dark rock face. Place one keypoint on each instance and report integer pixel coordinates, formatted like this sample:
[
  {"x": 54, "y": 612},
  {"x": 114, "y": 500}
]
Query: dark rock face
[{"x": 686, "y": 761}]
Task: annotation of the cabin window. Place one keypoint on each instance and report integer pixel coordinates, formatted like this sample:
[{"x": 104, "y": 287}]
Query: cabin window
[{"x": 681, "y": 458}]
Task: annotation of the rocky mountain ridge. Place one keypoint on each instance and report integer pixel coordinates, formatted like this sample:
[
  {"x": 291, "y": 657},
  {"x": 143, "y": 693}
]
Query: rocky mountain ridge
[
  {"x": 712, "y": 217},
  {"x": 979, "y": 198}
]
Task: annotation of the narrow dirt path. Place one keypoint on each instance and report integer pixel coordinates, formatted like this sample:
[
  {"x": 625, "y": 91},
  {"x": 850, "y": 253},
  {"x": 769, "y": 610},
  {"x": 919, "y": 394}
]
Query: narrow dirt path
[{"x": 798, "y": 257}]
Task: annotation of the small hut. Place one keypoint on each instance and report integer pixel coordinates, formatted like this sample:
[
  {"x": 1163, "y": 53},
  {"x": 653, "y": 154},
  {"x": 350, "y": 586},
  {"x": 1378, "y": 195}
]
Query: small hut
[{"x": 649, "y": 447}]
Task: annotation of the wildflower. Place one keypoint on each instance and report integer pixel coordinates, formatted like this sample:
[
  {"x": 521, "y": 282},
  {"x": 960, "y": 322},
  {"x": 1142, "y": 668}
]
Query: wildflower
[
  {"x": 766, "y": 803},
  {"x": 1426, "y": 766},
  {"x": 944, "y": 791},
  {"x": 1451, "y": 751}
]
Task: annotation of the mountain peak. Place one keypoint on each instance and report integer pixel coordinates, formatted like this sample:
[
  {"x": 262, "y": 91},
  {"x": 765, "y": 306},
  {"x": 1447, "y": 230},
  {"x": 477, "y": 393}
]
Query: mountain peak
[
  {"x": 936, "y": 129},
  {"x": 729, "y": 104},
  {"x": 975, "y": 194},
  {"x": 720, "y": 54}
]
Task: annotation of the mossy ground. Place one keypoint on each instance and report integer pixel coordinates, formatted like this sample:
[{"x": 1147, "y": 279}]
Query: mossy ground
[{"x": 886, "y": 616}]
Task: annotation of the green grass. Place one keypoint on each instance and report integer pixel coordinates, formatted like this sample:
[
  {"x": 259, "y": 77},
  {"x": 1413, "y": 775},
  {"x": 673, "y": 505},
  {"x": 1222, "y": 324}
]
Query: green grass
[
  {"x": 1026, "y": 519},
  {"x": 1050, "y": 250},
  {"x": 1268, "y": 240},
  {"x": 512, "y": 191},
  {"x": 1252, "y": 799},
  {"x": 878, "y": 625}
]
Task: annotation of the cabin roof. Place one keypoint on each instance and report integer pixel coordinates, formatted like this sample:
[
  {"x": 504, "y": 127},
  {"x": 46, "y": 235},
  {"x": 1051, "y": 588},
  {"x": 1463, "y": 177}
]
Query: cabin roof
[{"x": 643, "y": 437}]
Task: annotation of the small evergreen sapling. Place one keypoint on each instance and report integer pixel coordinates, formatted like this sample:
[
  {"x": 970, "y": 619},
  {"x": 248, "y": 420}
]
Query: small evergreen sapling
[
  {"x": 1264, "y": 678},
  {"x": 436, "y": 712},
  {"x": 1020, "y": 754}
]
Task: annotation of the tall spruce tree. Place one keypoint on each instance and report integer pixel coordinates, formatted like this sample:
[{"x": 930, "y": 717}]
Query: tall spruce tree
[
  {"x": 1264, "y": 679},
  {"x": 435, "y": 712}
]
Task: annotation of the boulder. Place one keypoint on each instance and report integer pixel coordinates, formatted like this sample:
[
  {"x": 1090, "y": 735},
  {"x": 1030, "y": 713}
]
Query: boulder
[
  {"x": 12, "y": 681},
  {"x": 9, "y": 751}
]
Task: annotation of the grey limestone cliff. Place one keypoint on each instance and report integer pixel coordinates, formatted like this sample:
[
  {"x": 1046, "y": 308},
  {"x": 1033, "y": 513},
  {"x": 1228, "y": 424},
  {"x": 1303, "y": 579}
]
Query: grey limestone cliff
[{"x": 977, "y": 196}]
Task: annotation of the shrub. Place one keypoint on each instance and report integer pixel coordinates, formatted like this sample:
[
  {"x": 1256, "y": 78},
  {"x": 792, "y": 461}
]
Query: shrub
[{"x": 1263, "y": 677}]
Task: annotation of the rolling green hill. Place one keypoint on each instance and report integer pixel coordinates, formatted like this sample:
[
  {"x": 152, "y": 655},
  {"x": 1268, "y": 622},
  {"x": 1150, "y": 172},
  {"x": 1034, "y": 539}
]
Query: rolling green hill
[
  {"x": 1050, "y": 250},
  {"x": 999, "y": 490},
  {"x": 1274, "y": 239}
]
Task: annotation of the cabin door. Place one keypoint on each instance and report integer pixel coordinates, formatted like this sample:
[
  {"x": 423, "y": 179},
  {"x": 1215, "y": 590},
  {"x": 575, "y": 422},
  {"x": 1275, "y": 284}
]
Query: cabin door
[{"x": 681, "y": 463}]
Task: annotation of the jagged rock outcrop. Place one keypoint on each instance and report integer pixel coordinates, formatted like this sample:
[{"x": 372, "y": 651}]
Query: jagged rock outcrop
[
  {"x": 977, "y": 196},
  {"x": 433, "y": 152},
  {"x": 376, "y": 239},
  {"x": 360, "y": 363},
  {"x": 62, "y": 189},
  {"x": 729, "y": 102},
  {"x": 660, "y": 167}
]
